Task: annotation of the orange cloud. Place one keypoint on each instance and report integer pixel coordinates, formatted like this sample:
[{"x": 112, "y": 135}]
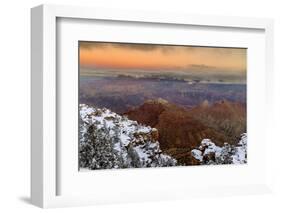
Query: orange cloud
[{"x": 132, "y": 56}]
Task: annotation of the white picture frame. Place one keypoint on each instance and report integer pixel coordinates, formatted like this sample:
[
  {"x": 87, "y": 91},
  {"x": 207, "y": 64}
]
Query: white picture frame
[{"x": 44, "y": 149}]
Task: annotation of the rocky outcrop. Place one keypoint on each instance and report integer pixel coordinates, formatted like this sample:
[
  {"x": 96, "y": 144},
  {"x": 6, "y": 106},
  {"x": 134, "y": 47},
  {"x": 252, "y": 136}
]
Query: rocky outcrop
[
  {"x": 209, "y": 153},
  {"x": 108, "y": 140}
]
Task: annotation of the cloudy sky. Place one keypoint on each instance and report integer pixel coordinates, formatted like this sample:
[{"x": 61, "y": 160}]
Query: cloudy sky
[{"x": 125, "y": 57}]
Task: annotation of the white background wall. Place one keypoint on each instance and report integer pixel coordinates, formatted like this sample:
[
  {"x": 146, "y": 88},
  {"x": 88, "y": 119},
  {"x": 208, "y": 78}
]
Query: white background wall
[{"x": 15, "y": 98}]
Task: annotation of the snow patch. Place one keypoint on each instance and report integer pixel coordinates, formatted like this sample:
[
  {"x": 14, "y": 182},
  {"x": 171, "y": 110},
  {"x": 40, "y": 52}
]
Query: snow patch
[
  {"x": 209, "y": 153},
  {"x": 121, "y": 143}
]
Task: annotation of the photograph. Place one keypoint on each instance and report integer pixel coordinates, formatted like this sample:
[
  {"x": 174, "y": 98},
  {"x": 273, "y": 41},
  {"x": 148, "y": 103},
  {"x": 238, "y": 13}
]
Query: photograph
[{"x": 147, "y": 105}]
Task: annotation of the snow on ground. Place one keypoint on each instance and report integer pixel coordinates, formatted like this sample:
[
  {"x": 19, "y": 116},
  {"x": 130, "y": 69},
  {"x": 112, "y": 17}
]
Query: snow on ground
[
  {"x": 209, "y": 153},
  {"x": 240, "y": 155},
  {"x": 131, "y": 135},
  {"x": 104, "y": 116},
  {"x": 210, "y": 147},
  {"x": 197, "y": 154}
]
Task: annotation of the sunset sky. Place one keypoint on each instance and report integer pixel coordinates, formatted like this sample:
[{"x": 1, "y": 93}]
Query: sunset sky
[{"x": 123, "y": 56}]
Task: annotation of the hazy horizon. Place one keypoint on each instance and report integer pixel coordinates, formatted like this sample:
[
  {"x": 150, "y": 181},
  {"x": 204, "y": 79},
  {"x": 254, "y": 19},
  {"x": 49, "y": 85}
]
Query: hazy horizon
[{"x": 213, "y": 64}]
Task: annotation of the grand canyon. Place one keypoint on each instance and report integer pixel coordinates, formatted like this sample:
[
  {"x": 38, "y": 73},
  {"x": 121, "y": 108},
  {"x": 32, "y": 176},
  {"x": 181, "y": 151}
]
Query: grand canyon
[{"x": 147, "y": 114}]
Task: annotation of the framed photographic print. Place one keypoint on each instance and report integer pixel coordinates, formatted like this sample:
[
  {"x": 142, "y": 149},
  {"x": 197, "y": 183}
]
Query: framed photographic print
[{"x": 130, "y": 106}]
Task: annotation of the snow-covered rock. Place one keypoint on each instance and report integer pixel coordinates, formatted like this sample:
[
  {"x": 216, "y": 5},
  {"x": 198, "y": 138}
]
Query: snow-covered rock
[
  {"x": 240, "y": 155},
  {"x": 209, "y": 153},
  {"x": 109, "y": 140}
]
